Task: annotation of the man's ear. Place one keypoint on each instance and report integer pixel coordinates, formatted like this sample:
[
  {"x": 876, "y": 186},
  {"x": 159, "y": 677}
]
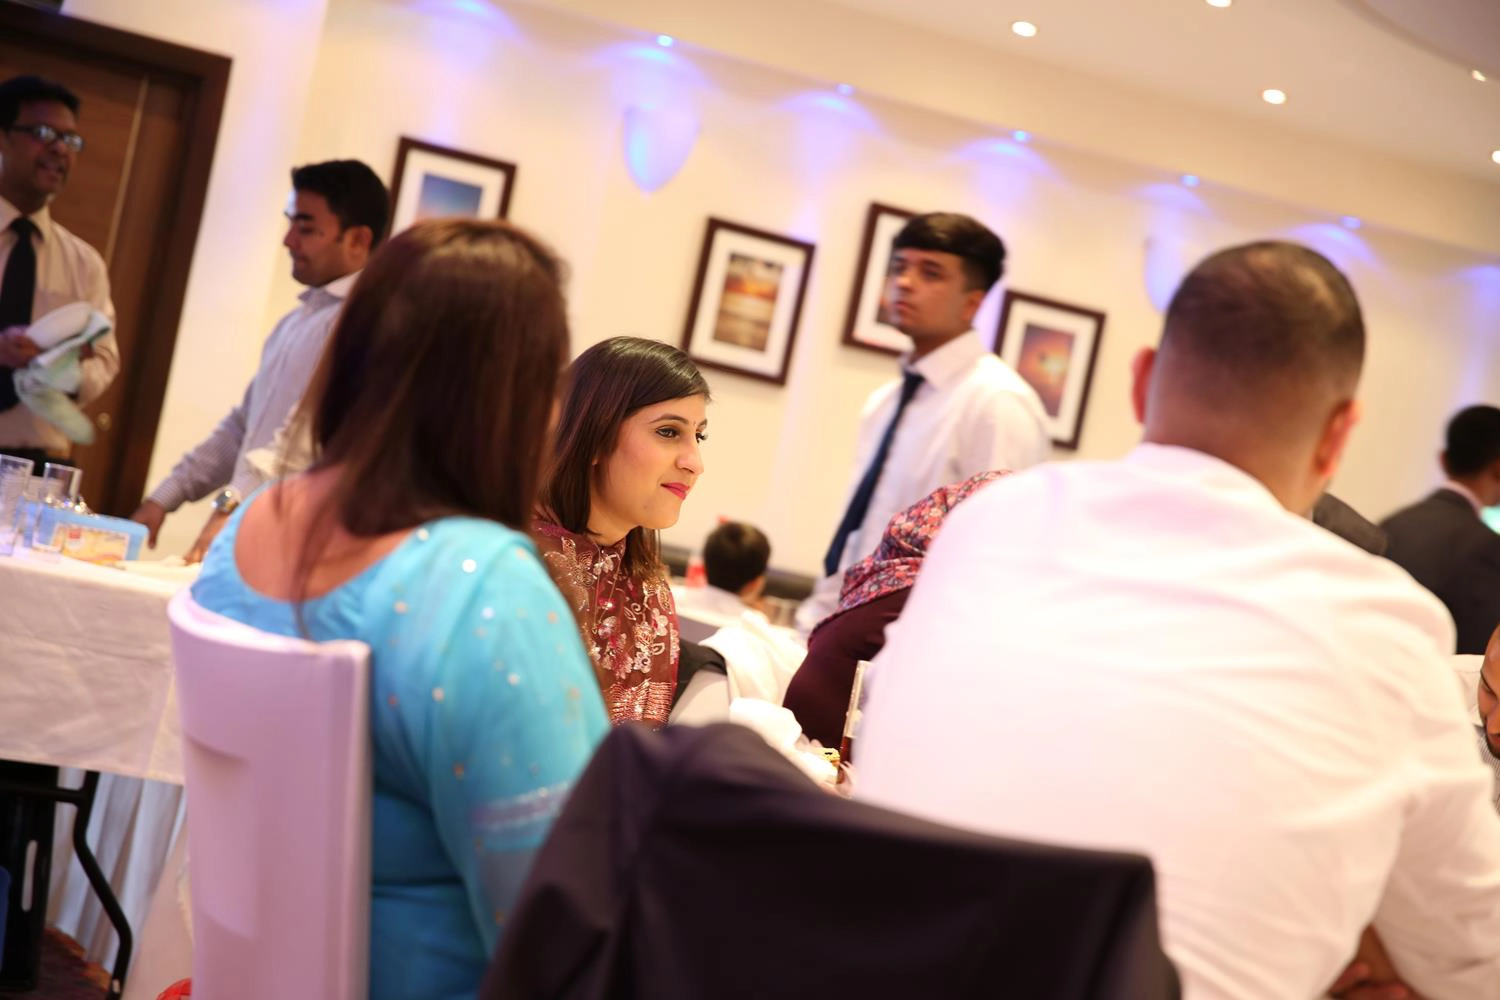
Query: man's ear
[
  {"x": 973, "y": 299},
  {"x": 1335, "y": 437},
  {"x": 1141, "y": 367},
  {"x": 754, "y": 588},
  {"x": 360, "y": 238}
]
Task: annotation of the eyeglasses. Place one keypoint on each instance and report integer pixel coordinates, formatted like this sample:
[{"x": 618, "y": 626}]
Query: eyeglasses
[{"x": 47, "y": 135}]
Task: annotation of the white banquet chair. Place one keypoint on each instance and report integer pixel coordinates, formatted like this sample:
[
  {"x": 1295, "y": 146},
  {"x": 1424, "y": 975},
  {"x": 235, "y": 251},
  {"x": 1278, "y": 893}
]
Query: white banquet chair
[{"x": 276, "y": 754}]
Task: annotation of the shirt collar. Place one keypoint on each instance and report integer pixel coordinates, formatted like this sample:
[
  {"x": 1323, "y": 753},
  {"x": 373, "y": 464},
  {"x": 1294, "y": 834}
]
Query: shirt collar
[
  {"x": 1176, "y": 460},
  {"x": 336, "y": 290},
  {"x": 722, "y": 601},
  {"x": 947, "y": 365},
  {"x": 43, "y": 218},
  {"x": 1466, "y": 493}
]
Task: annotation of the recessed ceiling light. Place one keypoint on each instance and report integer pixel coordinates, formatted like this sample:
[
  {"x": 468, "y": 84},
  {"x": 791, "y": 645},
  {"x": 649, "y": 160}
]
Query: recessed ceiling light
[
  {"x": 1021, "y": 135},
  {"x": 1478, "y": 75},
  {"x": 1024, "y": 28},
  {"x": 1495, "y": 156},
  {"x": 665, "y": 41},
  {"x": 1190, "y": 180},
  {"x": 1273, "y": 96},
  {"x": 1350, "y": 222},
  {"x": 1220, "y": 3}
]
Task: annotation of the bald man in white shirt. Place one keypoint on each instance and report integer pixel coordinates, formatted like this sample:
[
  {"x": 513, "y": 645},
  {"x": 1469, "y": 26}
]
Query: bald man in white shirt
[{"x": 1162, "y": 655}]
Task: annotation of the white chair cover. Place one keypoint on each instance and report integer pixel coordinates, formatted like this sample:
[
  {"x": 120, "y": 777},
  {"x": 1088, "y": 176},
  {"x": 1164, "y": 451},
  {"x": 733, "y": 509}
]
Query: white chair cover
[{"x": 276, "y": 754}]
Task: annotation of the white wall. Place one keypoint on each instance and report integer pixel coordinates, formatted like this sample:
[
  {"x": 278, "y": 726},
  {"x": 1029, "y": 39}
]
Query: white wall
[
  {"x": 274, "y": 44},
  {"x": 546, "y": 90}
]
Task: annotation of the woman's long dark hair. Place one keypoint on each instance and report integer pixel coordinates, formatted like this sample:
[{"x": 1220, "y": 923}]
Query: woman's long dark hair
[
  {"x": 436, "y": 388},
  {"x": 605, "y": 385}
]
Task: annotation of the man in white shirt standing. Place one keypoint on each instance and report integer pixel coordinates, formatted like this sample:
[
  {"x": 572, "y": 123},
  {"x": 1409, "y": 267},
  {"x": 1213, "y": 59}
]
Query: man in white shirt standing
[
  {"x": 42, "y": 265},
  {"x": 957, "y": 409},
  {"x": 1160, "y": 655},
  {"x": 336, "y": 218}
]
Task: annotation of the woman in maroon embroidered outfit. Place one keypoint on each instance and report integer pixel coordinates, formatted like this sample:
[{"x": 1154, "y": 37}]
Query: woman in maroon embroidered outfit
[
  {"x": 874, "y": 592},
  {"x": 625, "y": 456}
]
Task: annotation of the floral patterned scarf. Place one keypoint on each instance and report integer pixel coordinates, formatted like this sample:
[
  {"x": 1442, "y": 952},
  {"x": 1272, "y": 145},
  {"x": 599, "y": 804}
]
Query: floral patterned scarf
[{"x": 894, "y": 563}]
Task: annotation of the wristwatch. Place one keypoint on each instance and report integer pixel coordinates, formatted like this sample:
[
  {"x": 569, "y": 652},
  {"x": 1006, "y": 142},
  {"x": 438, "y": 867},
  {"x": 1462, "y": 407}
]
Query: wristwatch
[{"x": 226, "y": 500}]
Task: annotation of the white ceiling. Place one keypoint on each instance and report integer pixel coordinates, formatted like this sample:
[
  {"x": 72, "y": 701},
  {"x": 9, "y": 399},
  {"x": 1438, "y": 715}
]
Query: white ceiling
[{"x": 1388, "y": 75}]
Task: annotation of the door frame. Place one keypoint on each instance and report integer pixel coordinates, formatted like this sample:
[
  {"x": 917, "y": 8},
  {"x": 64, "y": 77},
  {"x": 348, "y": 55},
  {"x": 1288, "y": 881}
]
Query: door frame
[{"x": 204, "y": 77}]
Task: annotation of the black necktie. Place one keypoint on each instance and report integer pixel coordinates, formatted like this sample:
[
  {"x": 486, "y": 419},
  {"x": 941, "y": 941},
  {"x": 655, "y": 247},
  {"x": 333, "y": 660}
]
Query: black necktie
[
  {"x": 17, "y": 292},
  {"x": 859, "y": 503}
]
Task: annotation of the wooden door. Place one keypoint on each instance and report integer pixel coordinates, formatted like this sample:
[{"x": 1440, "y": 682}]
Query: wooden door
[{"x": 150, "y": 120}]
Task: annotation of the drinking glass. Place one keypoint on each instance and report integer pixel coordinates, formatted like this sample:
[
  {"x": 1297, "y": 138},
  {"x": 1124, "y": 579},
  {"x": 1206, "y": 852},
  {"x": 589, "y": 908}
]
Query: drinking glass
[
  {"x": 15, "y": 473},
  {"x": 61, "y": 482}
]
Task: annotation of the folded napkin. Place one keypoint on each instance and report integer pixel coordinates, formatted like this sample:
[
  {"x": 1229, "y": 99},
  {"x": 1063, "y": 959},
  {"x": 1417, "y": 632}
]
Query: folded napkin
[
  {"x": 48, "y": 384},
  {"x": 779, "y": 728}
]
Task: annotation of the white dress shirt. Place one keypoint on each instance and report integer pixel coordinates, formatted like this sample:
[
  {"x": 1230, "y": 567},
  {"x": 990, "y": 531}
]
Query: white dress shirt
[
  {"x": 710, "y": 605},
  {"x": 971, "y": 414},
  {"x": 1152, "y": 655},
  {"x": 287, "y": 364},
  {"x": 67, "y": 270}
]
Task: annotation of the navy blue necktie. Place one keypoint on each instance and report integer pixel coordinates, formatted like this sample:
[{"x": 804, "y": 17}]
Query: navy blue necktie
[
  {"x": 17, "y": 292},
  {"x": 859, "y": 503}
]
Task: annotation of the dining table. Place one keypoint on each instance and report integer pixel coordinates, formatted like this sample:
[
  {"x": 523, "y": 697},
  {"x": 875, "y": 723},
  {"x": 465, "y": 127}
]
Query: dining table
[{"x": 87, "y": 686}]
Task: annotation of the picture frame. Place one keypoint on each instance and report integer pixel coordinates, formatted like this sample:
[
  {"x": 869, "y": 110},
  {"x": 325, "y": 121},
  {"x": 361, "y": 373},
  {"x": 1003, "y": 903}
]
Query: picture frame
[
  {"x": 434, "y": 181},
  {"x": 747, "y": 301},
  {"x": 1053, "y": 346},
  {"x": 866, "y": 326}
]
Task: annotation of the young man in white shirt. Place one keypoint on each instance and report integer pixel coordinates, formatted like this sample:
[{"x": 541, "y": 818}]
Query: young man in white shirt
[
  {"x": 760, "y": 658},
  {"x": 1161, "y": 655},
  {"x": 735, "y": 559},
  {"x": 957, "y": 410},
  {"x": 43, "y": 266},
  {"x": 337, "y": 217}
]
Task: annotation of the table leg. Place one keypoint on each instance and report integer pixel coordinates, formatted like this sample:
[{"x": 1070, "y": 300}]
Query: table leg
[
  {"x": 102, "y": 888},
  {"x": 82, "y": 799}
]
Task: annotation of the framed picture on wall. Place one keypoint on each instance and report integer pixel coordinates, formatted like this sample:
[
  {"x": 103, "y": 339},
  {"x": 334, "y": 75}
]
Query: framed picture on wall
[
  {"x": 868, "y": 324},
  {"x": 434, "y": 182},
  {"x": 746, "y": 301},
  {"x": 1053, "y": 345}
]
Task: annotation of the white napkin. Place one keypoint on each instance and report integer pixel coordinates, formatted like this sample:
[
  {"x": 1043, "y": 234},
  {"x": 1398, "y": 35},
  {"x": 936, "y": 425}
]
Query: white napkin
[
  {"x": 47, "y": 384},
  {"x": 778, "y": 727}
]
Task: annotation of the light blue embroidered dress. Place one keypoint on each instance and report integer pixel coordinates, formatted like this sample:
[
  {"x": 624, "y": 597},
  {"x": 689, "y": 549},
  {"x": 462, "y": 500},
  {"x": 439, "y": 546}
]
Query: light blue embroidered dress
[{"x": 484, "y": 710}]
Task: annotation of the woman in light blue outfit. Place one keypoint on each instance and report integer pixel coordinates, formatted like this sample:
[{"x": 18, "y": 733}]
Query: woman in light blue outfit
[{"x": 428, "y": 414}]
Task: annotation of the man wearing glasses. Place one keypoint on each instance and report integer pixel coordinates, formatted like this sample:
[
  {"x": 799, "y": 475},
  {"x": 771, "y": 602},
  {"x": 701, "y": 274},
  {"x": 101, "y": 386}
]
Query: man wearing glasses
[{"x": 42, "y": 265}]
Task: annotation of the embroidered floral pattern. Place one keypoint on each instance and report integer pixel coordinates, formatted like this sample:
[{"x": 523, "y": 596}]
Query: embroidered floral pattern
[
  {"x": 629, "y": 625},
  {"x": 894, "y": 563}
]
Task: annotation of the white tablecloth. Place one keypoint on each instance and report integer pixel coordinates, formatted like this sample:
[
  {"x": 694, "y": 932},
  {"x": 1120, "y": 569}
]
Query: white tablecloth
[
  {"x": 86, "y": 682},
  {"x": 87, "y": 669}
]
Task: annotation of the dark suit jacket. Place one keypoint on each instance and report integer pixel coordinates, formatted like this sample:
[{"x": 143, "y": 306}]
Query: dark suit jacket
[
  {"x": 1444, "y": 545},
  {"x": 698, "y": 864},
  {"x": 1349, "y": 524}
]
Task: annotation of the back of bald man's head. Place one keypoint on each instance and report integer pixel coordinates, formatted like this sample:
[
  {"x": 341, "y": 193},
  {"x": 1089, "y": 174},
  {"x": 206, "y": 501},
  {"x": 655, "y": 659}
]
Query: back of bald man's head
[{"x": 1269, "y": 332}]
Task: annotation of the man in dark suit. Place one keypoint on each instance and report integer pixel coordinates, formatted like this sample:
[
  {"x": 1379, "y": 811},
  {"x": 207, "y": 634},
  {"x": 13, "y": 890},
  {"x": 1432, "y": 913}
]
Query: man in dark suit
[{"x": 1442, "y": 542}]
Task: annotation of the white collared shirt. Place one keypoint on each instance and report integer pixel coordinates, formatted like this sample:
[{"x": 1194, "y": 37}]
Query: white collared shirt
[
  {"x": 971, "y": 414},
  {"x": 708, "y": 604},
  {"x": 1152, "y": 655},
  {"x": 67, "y": 270},
  {"x": 287, "y": 363}
]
